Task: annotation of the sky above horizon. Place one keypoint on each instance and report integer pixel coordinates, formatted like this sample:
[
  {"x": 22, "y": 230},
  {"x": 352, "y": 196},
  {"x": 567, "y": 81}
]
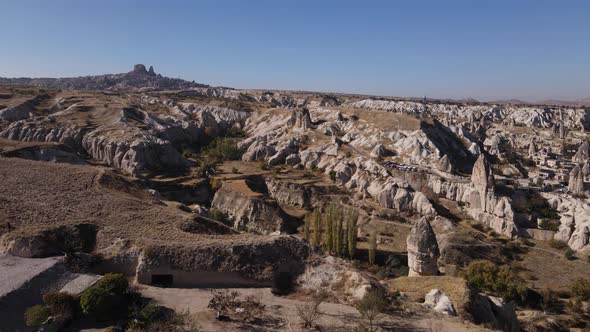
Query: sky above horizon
[{"x": 529, "y": 49}]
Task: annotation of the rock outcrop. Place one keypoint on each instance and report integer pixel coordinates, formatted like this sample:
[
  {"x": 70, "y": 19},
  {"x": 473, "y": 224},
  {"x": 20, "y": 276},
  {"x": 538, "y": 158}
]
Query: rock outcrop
[
  {"x": 300, "y": 119},
  {"x": 250, "y": 210},
  {"x": 224, "y": 264},
  {"x": 484, "y": 205},
  {"x": 439, "y": 302},
  {"x": 423, "y": 252},
  {"x": 583, "y": 154},
  {"x": 576, "y": 181},
  {"x": 444, "y": 165}
]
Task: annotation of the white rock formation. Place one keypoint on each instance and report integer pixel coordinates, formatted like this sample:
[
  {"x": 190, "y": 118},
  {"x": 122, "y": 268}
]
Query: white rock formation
[
  {"x": 423, "y": 252},
  {"x": 439, "y": 302}
]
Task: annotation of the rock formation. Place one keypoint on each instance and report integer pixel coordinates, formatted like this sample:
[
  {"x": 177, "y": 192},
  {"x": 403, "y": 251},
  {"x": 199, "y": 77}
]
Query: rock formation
[
  {"x": 423, "y": 252},
  {"x": 583, "y": 153},
  {"x": 482, "y": 176},
  {"x": 444, "y": 165},
  {"x": 439, "y": 302},
  {"x": 250, "y": 210},
  {"x": 576, "y": 181},
  {"x": 532, "y": 149},
  {"x": 378, "y": 151},
  {"x": 300, "y": 119}
]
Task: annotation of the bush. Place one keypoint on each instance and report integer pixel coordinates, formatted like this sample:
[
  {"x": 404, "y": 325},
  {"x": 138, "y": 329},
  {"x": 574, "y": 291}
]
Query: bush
[
  {"x": 152, "y": 313},
  {"x": 98, "y": 303},
  {"x": 223, "y": 148},
  {"x": 63, "y": 306},
  {"x": 115, "y": 283},
  {"x": 225, "y": 303},
  {"x": 570, "y": 254},
  {"x": 486, "y": 276},
  {"x": 557, "y": 244},
  {"x": 371, "y": 307},
  {"x": 546, "y": 224},
  {"x": 216, "y": 214},
  {"x": 309, "y": 312},
  {"x": 580, "y": 289},
  {"x": 105, "y": 300},
  {"x": 36, "y": 315}
]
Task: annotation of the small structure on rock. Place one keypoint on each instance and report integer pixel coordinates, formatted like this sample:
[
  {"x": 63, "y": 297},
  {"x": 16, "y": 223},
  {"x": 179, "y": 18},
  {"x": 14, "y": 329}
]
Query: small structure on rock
[{"x": 423, "y": 252}]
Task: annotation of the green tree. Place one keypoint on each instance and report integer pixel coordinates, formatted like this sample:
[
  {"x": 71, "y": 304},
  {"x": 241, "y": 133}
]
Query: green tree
[
  {"x": 306, "y": 227},
  {"x": 317, "y": 224},
  {"x": 352, "y": 230},
  {"x": 499, "y": 280}
]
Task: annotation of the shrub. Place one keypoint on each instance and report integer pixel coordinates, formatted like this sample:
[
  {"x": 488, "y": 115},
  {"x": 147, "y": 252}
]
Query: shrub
[
  {"x": 486, "y": 276},
  {"x": 97, "y": 303},
  {"x": 225, "y": 303},
  {"x": 223, "y": 148},
  {"x": 105, "y": 300},
  {"x": 115, "y": 283},
  {"x": 371, "y": 307},
  {"x": 36, "y": 315},
  {"x": 216, "y": 214},
  {"x": 557, "y": 244},
  {"x": 62, "y": 305},
  {"x": 264, "y": 167},
  {"x": 333, "y": 175},
  {"x": 570, "y": 254},
  {"x": 152, "y": 313},
  {"x": 548, "y": 225},
  {"x": 580, "y": 289},
  {"x": 309, "y": 312},
  {"x": 235, "y": 170}
]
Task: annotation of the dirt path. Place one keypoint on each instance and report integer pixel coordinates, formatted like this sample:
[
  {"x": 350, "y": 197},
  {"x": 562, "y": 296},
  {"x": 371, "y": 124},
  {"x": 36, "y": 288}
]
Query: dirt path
[{"x": 335, "y": 317}]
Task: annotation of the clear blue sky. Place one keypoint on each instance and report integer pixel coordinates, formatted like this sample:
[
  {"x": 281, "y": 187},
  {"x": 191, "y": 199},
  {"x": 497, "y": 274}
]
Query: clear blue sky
[{"x": 528, "y": 49}]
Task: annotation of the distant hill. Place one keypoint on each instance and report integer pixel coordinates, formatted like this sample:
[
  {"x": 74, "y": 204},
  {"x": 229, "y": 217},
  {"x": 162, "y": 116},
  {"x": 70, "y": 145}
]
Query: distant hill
[
  {"x": 577, "y": 102},
  {"x": 138, "y": 79}
]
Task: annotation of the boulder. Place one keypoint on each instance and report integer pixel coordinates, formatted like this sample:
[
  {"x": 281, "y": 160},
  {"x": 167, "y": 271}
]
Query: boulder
[{"x": 439, "y": 302}]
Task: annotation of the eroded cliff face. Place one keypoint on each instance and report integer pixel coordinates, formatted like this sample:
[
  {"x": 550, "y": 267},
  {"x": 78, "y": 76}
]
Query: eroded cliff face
[
  {"x": 225, "y": 264},
  {"x": 574, "y": 228},
  {"x": 130, "y": 139},
  {"x": 252, "y": 211},
  {"x": 478, "y": 192},
  {"x": 285, "y": 138}
]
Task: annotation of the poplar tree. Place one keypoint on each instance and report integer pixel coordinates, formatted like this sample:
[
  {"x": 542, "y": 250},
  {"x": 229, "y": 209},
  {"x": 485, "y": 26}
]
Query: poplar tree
[
  {"x": 352, "y": 230},
  {"x": 317, "y": 225}
]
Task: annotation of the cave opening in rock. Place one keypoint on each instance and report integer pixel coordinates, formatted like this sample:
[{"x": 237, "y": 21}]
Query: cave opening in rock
[{"x": 162, "y": 280}]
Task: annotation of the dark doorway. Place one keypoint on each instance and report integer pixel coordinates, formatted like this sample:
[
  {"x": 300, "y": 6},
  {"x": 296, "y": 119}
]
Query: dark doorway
[{"x": 162, "y": 280}]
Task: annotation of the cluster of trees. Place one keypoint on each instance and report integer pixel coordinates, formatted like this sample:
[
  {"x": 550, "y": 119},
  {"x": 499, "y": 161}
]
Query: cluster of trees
[
  {"x": 109, "y": 300},
  {"x": 334, "y": 229}
]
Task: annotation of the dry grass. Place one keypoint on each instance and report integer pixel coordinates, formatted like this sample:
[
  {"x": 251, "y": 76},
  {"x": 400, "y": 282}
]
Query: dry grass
[{"x": 39, "y": 195}]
